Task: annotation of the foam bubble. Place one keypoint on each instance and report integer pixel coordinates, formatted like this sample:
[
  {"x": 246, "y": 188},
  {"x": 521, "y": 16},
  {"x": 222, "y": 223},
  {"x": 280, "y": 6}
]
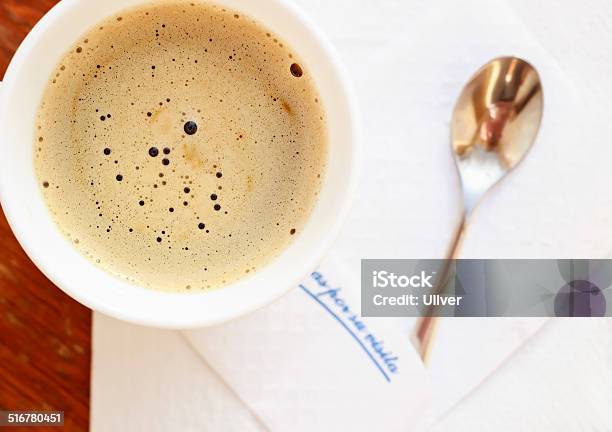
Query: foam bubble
[{"x": 296, "y": 70}]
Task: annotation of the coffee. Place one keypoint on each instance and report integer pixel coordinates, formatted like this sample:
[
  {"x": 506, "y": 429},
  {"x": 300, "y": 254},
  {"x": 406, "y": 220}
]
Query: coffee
[{"x": 181, "y": 146}]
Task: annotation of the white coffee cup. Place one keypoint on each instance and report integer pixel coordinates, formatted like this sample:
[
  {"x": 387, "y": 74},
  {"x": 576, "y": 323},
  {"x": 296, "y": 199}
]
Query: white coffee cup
[{"x": 25, "y": 209}]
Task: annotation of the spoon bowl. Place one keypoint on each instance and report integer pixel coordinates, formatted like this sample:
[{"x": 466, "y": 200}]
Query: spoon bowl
[{"x": 494, "y": 124}]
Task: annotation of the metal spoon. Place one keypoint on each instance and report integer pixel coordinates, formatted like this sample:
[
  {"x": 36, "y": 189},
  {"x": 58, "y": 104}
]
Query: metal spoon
[{"x": 494, "y": 123}]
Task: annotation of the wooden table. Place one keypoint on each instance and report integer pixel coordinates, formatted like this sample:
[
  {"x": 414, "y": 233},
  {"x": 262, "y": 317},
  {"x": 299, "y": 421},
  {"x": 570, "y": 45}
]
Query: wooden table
[{"x": 45, "y": 336}]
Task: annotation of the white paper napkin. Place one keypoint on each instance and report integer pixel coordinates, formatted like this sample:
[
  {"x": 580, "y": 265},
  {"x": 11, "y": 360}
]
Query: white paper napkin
[
  {"x": 307, "y": 362},
  {"x": 559, "y": 381},
  {"x": 310, "y": 362},
  {"x": 409, "y": 61},
  {"x": 146, "y": 379}
]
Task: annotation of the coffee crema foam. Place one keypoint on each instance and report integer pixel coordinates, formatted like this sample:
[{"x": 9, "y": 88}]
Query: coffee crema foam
[{"x": 181, "y": 146}]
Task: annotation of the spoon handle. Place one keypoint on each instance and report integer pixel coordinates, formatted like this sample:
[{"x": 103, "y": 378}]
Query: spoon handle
[{"x": 427, "y": 325}]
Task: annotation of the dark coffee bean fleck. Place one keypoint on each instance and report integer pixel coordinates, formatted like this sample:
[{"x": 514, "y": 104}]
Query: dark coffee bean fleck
[
  {"x": 107, "y": 151},
  {"x": 166, "y": 150},
  {"x": 190, "y": 128},
  {"x": 186, "y": 190},
  {"x": 171, "y": 210},
  {"x": 45, "y": 184},
  {"x": 102, "y": 118},
  {"x": 213, "y": 197},
  {"x": 217, "y": 207},
  {"x": 219, "y": 174},
  {"x": 201, "y": 226},
  {"x": 292, "y": 231},
  {"x": 141, "y": 202},
  {"x": 119, "y": 177},
  {"x": 153, "y": 151},
  {"x": 159, "y": 239},
  {"x": 149, "y": 114},
  {"x": 185, "y": 203},
  {"x": 166, "y": 161}
]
